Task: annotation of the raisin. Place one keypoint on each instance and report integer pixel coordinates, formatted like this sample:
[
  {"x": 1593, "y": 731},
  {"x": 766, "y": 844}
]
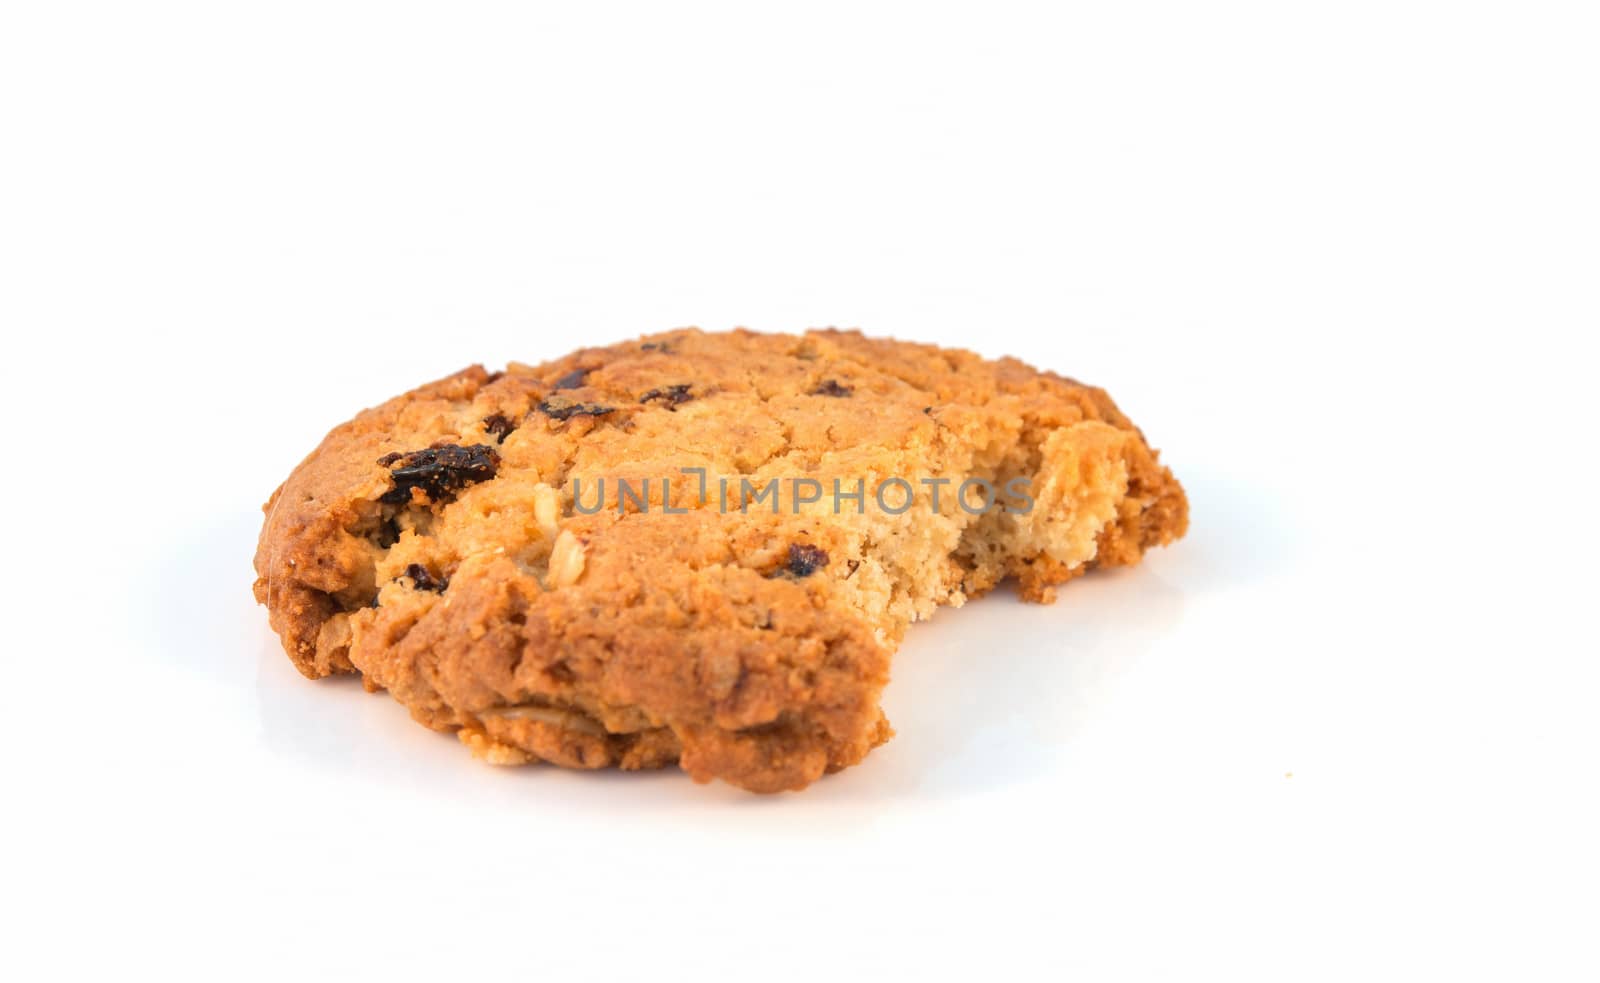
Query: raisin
[
  {"x": 439, "y": 471},
  {"x": 832, "y": 387},
  {"x": 561, "y": 408},
  {"x": 572, "y": 380},
  {"x": 671, "y": 395},
  {"x": 500, "y": 425},
  {"x": 424, "y": 580},
  {"x": 805, "y": 559},
  {"x": 656, "y": 346}
]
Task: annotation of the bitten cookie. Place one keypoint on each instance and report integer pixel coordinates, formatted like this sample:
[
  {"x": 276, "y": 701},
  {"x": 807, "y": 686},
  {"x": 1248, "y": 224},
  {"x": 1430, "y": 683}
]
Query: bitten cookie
[{"x": 694, "y": 548}]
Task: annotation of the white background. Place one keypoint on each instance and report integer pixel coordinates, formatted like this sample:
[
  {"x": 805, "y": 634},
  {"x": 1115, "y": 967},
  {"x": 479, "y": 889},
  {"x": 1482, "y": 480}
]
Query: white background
[{"x": 1338, "y": 260}]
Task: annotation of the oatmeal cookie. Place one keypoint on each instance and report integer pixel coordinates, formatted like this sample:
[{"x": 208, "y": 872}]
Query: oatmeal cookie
[{"x": 694, "y": 548}]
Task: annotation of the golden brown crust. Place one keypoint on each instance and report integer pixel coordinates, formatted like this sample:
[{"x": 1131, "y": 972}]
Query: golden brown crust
[{"x": 433, "y": 543}]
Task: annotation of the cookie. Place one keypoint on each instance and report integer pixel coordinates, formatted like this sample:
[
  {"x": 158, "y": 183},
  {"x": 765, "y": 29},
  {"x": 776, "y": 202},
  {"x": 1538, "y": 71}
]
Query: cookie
[{"x": 694, "y": 548}]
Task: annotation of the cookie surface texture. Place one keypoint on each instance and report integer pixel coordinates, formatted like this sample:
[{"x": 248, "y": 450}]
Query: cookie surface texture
[{"x": 694, "y": 549}]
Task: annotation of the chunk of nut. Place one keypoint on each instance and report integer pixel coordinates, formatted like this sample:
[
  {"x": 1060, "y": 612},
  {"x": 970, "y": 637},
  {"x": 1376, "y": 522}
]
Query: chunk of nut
[
  {"x": 546, "y": 508},
  {"x": 554, "y": 716},
  {"x": 566, "y": 561}
]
